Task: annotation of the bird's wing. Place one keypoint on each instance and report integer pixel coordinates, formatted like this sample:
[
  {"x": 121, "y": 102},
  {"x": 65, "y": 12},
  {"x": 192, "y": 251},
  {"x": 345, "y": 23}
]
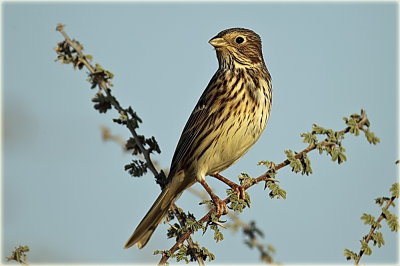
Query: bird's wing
[{"x": 199, "y": 121}]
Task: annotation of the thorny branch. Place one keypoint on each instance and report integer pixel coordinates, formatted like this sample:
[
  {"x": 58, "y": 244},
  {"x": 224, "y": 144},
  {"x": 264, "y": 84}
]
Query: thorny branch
[
  {"x": 19, "y": 255},
  {"x": 374, "y": 235},
  {"x": 248, "y": 229},
  {"x": 264, "y": 177},
  {"x": 103, "y": 84},
  {"x": 373, "y": 228}
]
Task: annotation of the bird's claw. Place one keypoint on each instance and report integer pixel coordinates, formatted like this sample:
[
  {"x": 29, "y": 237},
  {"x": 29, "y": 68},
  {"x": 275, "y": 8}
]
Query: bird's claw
[
  {"x": 239, "y": 190},
  {"x": 220, "y": 206}
]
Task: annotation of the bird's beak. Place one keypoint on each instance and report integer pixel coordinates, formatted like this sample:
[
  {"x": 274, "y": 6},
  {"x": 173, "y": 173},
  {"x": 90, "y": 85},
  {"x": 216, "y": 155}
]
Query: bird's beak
[{"x": 218, "y": 42}]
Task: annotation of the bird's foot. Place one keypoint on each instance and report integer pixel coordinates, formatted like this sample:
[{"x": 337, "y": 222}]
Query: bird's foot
[
  {"x": 220, "y": 206},
  {"x": 239, "y": 190}
]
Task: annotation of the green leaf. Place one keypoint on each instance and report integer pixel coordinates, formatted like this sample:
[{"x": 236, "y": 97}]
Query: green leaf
[
  {"x": 341, "y": 155},
  {"x": 294, "y": 162},
  {"x": 218, "y": 236},
  {"x": 174, "y": 231},
  {"x": 102, "y": 103},
  {"x": 380, "y": 201},
  {"x": 98, "y": 68},
  {"x": 365, "y": 248},
  {"x": 318, "y": 130},
  {"x": 350, "y": 255},
  {"x": 309, "y": 138},
  {"x": 191, "y": 224},
  {"x": 209, "y": 203},
  {"x": 377, "y": 225},
  {"x": 182, "y": 254},
  {"x": 276, "y": 190},
  {"x": 337, "y": 154},
  {"x": 245, "y": 179},
  {"x": 208, "y": 254},
  {"x": 371, "y": 138},
  {"x": 132, "y": 145},
  {"x": 353, "y": 126},
  {"x": 393, "y": 222},
  {"x": 356, "y": 116},
  {"x": 331, "y": 136},
  {"x": 19, "y": 254},
  {"x": 136, "y": 168},
  {"x": 134, "y": 115},
  {"x": 320, "y": 148},
  {"x": 378, "y": 239},
  {"x": 339, "y": 135},
  {"x": 153, "y": 145},
  {"x": 268, "y": 164},
  {"x": 368, "y": 219},
  {"x": 395, "y": 190},
  {"x": 236, "y": 203}
]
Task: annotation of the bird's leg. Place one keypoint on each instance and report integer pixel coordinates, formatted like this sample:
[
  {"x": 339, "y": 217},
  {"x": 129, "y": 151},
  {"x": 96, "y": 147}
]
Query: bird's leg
[
  {"x": 220, "y": 205},
  {"x": 235, "y": 187}
]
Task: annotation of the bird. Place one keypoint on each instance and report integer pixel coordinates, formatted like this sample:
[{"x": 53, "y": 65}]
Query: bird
[{"x": 227, "y": 120}]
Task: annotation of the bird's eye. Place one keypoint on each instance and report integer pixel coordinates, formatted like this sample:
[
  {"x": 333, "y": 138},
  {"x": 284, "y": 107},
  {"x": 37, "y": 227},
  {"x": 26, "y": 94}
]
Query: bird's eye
[{"x": 239, "y": 40}]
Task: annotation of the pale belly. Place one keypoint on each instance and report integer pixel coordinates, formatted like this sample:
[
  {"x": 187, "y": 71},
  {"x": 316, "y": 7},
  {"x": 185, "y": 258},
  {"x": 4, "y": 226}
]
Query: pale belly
[{"x": 235, "y": 140}]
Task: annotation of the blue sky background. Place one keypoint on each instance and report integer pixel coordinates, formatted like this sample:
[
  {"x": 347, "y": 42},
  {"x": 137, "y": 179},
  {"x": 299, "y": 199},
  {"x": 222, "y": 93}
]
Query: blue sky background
[{"x": 65, "y": 193}]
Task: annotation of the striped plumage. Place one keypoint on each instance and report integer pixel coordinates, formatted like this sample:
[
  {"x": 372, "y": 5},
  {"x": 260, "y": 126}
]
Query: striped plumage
[{"x": 228, "y": 119}]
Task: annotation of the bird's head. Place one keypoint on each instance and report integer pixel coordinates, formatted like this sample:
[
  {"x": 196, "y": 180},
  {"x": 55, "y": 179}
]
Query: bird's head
[{"x": 238, "y": 47}]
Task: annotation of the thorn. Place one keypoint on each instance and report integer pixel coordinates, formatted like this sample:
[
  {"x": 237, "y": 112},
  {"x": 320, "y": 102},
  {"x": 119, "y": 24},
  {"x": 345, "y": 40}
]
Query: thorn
[{"x": 218, "y": 223}]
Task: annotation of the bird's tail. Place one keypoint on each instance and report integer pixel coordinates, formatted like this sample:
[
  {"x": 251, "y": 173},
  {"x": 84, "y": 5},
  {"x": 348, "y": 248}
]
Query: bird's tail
[{"x": 155, "y": 215}]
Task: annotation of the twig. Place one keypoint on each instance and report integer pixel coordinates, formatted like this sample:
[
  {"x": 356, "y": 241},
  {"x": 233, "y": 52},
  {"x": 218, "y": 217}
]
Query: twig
[
  {"x": 113, "y": 102},
  {"x": 19, "y": 255},
  {"x": 174, "y": 208},
  {"x": 263, "y": 177},
  {"x": 311, "y": 147},
  {"x": 103, "y": 85},
  {"x": 373, "y": 228},
  {"x": 106, "y": 134}
]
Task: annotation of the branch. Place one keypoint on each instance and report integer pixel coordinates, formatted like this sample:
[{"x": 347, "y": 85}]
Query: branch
[
  {"x": 373, "y": 228},
  {"x": 249, "y": 230},
  {"x": 328, "y": 144},
  {"x": 175, "y": 210},
  {"x": 103, "y": 84},
  {"x": 373, "y": 235},
  {"x": 100, "y": 77},
  {"x": 19, "y": 255},
  {"x": 107, "y": 135}
]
